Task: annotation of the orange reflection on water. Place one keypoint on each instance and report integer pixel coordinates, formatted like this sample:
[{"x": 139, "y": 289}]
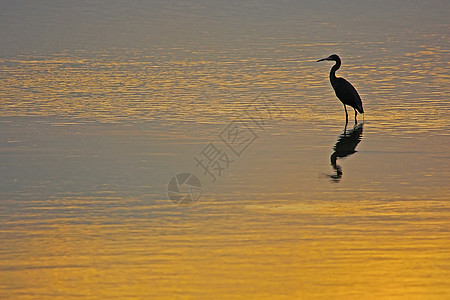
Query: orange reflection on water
[
  {"x": 264, "y": 251},
  {"x": 274, "y": 227}
]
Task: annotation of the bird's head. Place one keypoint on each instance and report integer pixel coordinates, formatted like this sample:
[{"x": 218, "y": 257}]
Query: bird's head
[{"x": 333, "y": 57}]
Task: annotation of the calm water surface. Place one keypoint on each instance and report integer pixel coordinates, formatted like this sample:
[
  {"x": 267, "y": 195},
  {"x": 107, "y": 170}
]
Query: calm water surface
[{"x": 102, "y": 104}]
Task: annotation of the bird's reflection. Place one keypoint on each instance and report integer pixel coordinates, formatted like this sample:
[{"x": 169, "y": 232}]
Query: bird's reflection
[{"x": 344, "y": 147}]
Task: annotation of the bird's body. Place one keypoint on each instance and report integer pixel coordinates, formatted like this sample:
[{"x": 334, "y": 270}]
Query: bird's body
[{"x": 344, "y": 90}]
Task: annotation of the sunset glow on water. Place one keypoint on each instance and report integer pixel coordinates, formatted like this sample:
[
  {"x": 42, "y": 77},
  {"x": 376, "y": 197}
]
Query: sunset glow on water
[{"x": 103, "y": 104}]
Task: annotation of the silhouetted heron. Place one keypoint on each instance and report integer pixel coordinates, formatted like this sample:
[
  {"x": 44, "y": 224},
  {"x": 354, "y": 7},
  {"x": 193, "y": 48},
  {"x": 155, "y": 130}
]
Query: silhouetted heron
[{"x": 344, "y": 90}]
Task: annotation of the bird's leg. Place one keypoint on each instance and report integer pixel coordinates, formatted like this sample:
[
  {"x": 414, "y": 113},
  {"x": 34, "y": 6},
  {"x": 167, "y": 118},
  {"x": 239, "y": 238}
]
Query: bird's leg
[
  {"x": 355, "y": 116},
  {"x": 346, "y": 115}
]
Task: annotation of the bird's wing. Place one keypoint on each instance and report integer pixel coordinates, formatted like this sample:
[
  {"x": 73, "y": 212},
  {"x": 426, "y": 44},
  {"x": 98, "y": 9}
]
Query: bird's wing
[{"x": 347, "y": 90}]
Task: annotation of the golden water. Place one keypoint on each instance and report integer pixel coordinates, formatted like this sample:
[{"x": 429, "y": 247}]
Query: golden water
[{"x": 89, "y": 140}]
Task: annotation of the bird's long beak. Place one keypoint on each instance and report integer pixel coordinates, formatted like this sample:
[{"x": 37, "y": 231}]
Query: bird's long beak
[{"x": 322, "y": 59}]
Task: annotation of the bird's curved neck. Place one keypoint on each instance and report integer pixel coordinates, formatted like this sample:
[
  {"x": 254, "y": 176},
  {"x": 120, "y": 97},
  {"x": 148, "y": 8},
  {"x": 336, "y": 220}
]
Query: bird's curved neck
[{"x": 334, "y": 69}]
